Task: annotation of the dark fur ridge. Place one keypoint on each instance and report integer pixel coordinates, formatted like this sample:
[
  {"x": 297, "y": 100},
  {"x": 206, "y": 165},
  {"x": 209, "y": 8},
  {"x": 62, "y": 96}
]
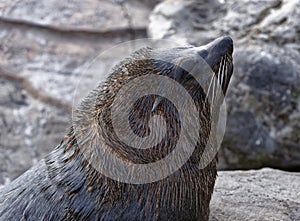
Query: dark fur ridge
[{"x": 66, "y": 186}]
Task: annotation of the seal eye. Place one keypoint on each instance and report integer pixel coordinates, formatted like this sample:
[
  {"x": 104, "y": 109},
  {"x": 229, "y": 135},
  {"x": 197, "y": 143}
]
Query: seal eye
[{"x": 203, "y": 53}]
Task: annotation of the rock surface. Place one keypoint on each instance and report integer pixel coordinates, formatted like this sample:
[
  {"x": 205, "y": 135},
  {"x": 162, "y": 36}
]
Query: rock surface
[
  {"x": 90, "y": 15},
  {"x": 264, "y": 195},
  {"x": 29, "y": 129},
  {"x": 263, "y": 101}
]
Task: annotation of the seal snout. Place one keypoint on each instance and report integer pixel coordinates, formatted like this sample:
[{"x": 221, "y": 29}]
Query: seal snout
[
  {"x": 213, "y": 52},
  {"x": 218, "y": 55},
  {"x": 226, "y": 42},
  {"x": 225, "y": 45},
  {"x": 220, "y": 47}
]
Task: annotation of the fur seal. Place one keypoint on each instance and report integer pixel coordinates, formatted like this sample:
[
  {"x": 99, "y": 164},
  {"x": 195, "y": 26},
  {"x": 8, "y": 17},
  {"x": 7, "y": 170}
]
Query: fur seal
[{"x": 66, "y": 186}]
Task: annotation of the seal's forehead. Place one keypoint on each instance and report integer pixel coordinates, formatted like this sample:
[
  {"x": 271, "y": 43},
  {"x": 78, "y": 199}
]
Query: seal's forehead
[
  {"x": 175, "y": 54},
  {"x": 191, "y": 50}
]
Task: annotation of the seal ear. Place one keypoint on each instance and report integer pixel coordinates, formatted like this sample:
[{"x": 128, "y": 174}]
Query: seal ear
[{"x": 156, "y": 103}]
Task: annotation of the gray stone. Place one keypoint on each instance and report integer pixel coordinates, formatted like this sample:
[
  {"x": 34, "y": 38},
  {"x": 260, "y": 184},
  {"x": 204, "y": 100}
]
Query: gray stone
[
  {"x": 263, "y": 124},
  {"x": 29, "y": 129},
  {"x": 264, "y": 195},
  {"x": 90, "y": 15}
]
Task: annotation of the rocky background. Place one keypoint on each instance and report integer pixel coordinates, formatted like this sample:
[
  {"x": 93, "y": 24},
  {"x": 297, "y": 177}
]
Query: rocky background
[{"x": 45, "y": 46}]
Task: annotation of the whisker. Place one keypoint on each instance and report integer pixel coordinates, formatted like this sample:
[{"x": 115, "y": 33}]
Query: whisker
[
  {"x": 220, "y": 72},
  {"x": 221, "y": 78},
  {"x": 216, "y": 89},
  {"x": 225, "y": 75},
  {"x": 208, "y": 91}
]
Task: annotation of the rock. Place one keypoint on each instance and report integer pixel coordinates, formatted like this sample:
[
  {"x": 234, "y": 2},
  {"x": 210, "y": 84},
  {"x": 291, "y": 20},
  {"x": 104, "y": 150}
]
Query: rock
[
  {"x": 265, "y": 194},
  {"x": 86, "y": 16},
  {"x": 263, "y": 100},
  {"x": 29, "y": 129},
  {"x": 54, "y": 43},
  {"x": 264, "y": 117}
]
